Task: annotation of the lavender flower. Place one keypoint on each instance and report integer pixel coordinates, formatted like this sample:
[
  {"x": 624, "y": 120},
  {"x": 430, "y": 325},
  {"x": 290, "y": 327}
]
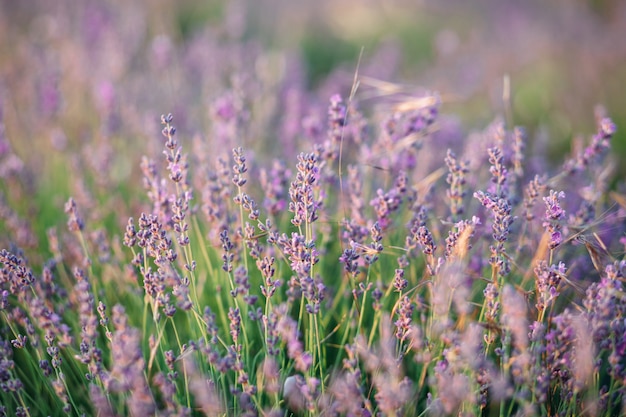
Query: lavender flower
[
  {"x": 554, "y": 215},
  {"x": 456, "y": 179},
  {"x": 349, "y": 258},
  {"x": 156, "y": 189},
  {"x": 547, "y": 283},
  {"x": 499, "y": 173},
  {"x": 354, "y": 188},
  {"x": 501, "y": 226},
  {"x": 336, "y": 117},
  {"x": 458, "y": 240},
  {"x": 228, "y": 255},
  {"x": 403, "y": 323},
  {"x": 177, "y": 164},
  {"x": 304, "y": 205},
  {"x": 533, "y": 190},
  {"x": 302, "y": 253},
  {"x": 387, "y": 203},
  {"x": 204, "y": 391},
  {"x": 275, "y": 184},
  {"x": 127, "y": 373},
  {"x": 519, "y": 144},
  {"x": 266, "y": 266},
  {"x": 491, "y": 307},
  {"x": 600, "y": 142},
  {"x": 287, "y": 328},
  {"x": 15, "y": 272},
  {"x": 514, "y": 317},
  {"x": 424, "y": 238},
  {"x": 75, "y": 222},
  {"x": 399, "y": 282}
]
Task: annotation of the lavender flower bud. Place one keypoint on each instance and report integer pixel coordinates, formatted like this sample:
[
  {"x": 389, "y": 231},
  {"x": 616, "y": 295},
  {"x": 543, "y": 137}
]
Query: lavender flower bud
[{"x": 75, "y": 222}]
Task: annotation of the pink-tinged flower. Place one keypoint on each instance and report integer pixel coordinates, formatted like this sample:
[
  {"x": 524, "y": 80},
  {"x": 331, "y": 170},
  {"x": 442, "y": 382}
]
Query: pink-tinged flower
[
  {"x": 548, "y": 279},
  {"x": 514, "y": 317},
  {"x": 127, "y": 374}
]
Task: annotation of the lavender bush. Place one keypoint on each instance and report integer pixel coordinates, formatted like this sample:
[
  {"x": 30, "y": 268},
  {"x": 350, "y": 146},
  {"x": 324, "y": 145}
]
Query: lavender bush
[{"x": 293, "y": 251}]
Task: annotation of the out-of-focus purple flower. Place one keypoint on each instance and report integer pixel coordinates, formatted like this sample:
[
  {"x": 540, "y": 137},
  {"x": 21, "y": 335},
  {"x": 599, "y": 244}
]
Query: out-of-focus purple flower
[
  {"x": 100, "y": 401},
  {"x": 270, "y": 372},
  {"x": 50, "y": 97},
  {"x": 204, "y": 391},
  {"x": 287, "y": 328},
  {"x": 560, "y": 352},
  {"x": 393, "y": 389},
  {"x": 19, "y": 228},
  {"x": 584, "y": 352},
  {"x": 347, "y": 394},
  {"x": 600, "y": 143},
  {"x": 514, "y": 317},
  {"x": 275, "y": 184},
  {"x": 301, "y": 393},
  {"x": 216, "y": 194},
  {"x": 127, "y": 373},
  {"x": 155, "y": 188},
  {"x": 387, "y": 203},
  {"x": 456, "y": 178},
  {"x": 336, "y": 120},
  {"x": 519, "y": 143},
  {"x": 452, "y": 389},
  {"x": 228, "y": 114},
  {"x": 75, "y": 222},
  {"x": 354, "y": 188},
  {"x": 534, "y": 189}
]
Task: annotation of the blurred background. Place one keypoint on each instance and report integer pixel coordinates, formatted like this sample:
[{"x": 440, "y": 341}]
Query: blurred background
[{"x": 83, "y": 83}]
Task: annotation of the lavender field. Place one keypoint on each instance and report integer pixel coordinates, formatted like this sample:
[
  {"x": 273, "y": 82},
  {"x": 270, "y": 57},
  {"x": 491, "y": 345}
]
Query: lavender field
[{"x": 276, "y": 208}]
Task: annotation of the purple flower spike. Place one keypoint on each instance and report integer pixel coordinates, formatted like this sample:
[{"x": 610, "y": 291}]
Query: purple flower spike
[{"x": 554, "y": 215}]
